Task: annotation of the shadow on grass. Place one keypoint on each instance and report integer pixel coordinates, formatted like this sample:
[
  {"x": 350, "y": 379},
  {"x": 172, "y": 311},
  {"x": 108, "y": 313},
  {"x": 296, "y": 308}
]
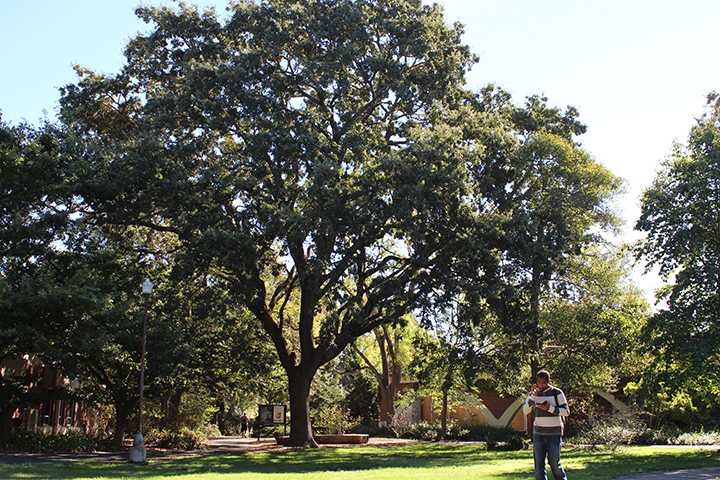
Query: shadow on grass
[{"x": 582, "y": 464}]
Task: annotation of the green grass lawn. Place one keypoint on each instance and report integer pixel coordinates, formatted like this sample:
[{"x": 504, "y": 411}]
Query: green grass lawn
[{"x": 416, "y": 462}]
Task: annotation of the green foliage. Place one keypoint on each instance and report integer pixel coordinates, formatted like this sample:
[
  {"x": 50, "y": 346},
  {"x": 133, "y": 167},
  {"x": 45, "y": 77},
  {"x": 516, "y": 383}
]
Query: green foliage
[
  {"x": 697, "y": 438},
  {"x": 658, "y": 436},
  {"x": 550, "y": 202},
  {"x": 36, "y": 442},
  {"x": 33, "y": 213},
  {"x": 423, "y": 431},
  {"x": 612, "y": 430},
  {"x": 183, "y": 438},
  {"x": 299, "y": 174},
  {"x": 300, "y": 151},
  {"x": 592, "y": 332},
  {"x": 670, "y": 405},
  {"x": 327, "y": 388},
  {"x": 333, "y": 418},
  {"x": 361, "y": 399},
  {"x": 628, "y": 429},
  {"x": 681, "y": 219},
  {"x": 494, "y": 438}
]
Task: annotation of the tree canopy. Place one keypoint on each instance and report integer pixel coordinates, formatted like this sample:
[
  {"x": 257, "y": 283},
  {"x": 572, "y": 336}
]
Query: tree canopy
[
  {"x": 301, "y": 141},
  {"x": 681, "y": 219}
]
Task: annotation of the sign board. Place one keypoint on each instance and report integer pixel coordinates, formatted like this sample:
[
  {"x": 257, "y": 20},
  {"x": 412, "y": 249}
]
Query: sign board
[
  {"x": 278, "y": 413},
  {"x": 272, "y": 414}
]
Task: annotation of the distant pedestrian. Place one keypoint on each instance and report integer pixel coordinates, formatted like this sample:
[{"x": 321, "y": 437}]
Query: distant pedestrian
[
  {"x": 244, "y": 423},
  {"x": 550, "y": 406}
]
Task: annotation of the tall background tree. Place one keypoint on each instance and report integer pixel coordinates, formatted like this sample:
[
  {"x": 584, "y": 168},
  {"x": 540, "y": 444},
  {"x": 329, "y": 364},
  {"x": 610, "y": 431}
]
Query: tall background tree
[
  {"x": 71, "y": 297},
  {"x": 33, "y": 216},
  {"x": 550, "y": 200},
  {"x": 681, "y": 219}
]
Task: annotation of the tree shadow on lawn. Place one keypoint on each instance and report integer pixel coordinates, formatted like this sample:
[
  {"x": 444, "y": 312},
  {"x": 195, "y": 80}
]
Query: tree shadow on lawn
[{"x": 583, "y": 464}]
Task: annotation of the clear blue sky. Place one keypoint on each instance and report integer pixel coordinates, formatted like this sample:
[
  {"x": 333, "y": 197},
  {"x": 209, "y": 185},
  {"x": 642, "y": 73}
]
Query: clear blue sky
[{"x": 637, "y": 70}]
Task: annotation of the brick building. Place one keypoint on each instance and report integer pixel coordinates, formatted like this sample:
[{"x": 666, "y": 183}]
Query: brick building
[{"x": 49, "y": 405}]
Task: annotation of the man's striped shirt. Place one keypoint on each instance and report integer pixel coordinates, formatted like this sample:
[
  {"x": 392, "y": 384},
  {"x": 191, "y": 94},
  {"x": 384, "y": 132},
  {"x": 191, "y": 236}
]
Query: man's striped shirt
[{"x": 550, "y": 422}]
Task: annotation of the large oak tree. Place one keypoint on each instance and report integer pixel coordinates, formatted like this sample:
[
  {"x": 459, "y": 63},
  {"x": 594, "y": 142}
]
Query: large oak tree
[{"x": 298, "y": 149}]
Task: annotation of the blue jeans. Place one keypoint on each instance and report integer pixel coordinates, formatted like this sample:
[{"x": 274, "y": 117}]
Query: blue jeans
[{"x": 547, "y": 446}]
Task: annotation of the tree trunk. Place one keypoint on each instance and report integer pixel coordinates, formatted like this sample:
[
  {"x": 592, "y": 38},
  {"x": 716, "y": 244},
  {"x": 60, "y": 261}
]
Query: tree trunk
[
  {"x": 386, "y": 401},
  {"x": 534, "y": 369},
  {"x": 537, "y": 340},
  {"x": 5, "y": 422},
  {"x": 444, "y": 413},
  {"x": 173, "y": 411},
  {"x": 389, "y": 376},
  {"x": 122, "y": 413},
  {"x": 299, "y": 382},
  {"x": 221, "y": 417},
  {"x": 446, "y": 386}
]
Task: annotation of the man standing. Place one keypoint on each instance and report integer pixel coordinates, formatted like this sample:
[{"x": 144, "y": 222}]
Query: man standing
[{"x": 550, "y": 407}]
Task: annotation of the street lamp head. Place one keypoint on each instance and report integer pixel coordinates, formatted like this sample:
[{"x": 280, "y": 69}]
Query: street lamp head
[{"x": 147, "y": 287}]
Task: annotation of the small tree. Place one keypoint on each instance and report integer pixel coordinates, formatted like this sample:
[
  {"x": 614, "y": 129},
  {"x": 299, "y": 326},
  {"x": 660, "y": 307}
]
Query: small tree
[
  {"x": 440, "y": 354},
  {"x": 383, "y": 355}
]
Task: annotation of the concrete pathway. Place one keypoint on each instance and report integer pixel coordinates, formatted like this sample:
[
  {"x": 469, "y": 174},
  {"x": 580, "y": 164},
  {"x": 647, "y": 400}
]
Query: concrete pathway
[
  {"x": 242, "y": 445},
  {"x": 700, "y": 474}
]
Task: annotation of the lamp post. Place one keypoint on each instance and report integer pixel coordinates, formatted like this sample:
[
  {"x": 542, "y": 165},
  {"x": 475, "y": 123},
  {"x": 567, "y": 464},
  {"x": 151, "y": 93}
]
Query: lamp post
[{"x": 137, "y": 452}]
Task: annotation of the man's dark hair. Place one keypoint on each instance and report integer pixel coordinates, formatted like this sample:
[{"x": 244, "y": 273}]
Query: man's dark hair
[{"x": 543, "y": 374}]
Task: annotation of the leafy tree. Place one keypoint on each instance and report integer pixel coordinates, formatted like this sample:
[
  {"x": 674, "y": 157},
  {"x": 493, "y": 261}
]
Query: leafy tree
[
  {"x": 33, "y": 215},
  {"x": 361, "y": 386},
  {"x": 591, "y": 323},
  {"x": 550, "y": 200},
  {"x": 32, "y": 218},
  {"x": 593, "y": 330},
  {"x": 441, "y": 354},
  {"x": 384, "y": 352},
  {"x": 681, "y": 219},
  {"x": 203, "y": 341},
  {"x": 70, "y": 294},
  {"x": 297, "y": 149}
]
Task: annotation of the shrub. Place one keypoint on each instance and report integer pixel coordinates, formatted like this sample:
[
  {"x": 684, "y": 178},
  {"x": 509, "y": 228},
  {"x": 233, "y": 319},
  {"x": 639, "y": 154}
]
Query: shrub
[
  {"x": 486, "y": 433},
  {"x": 428, "y": 432},
  {"x": 177, "y": 439},
  {"x": 332, "y": 418},
  {"x": 494, "y": 438},
  {"x": 697, "y": 438},
  {"x": 402, "y": 420},
  {"x": 36, "y": 442},
  {"x": 612, "y": 430},
  {"x": 269, "y": 430},
  {"x": 657, "y": 436},
  {"x": 209, "y": 430},
  {"x": 497, "y": 438},
  {"x": 455, "y": 431}
]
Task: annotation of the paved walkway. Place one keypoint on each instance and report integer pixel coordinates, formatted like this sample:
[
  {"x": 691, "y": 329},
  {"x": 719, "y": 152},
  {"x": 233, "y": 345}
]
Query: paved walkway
[
  {"x": 701, "y": 474},
  {"x": 242, "y": 445}
]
